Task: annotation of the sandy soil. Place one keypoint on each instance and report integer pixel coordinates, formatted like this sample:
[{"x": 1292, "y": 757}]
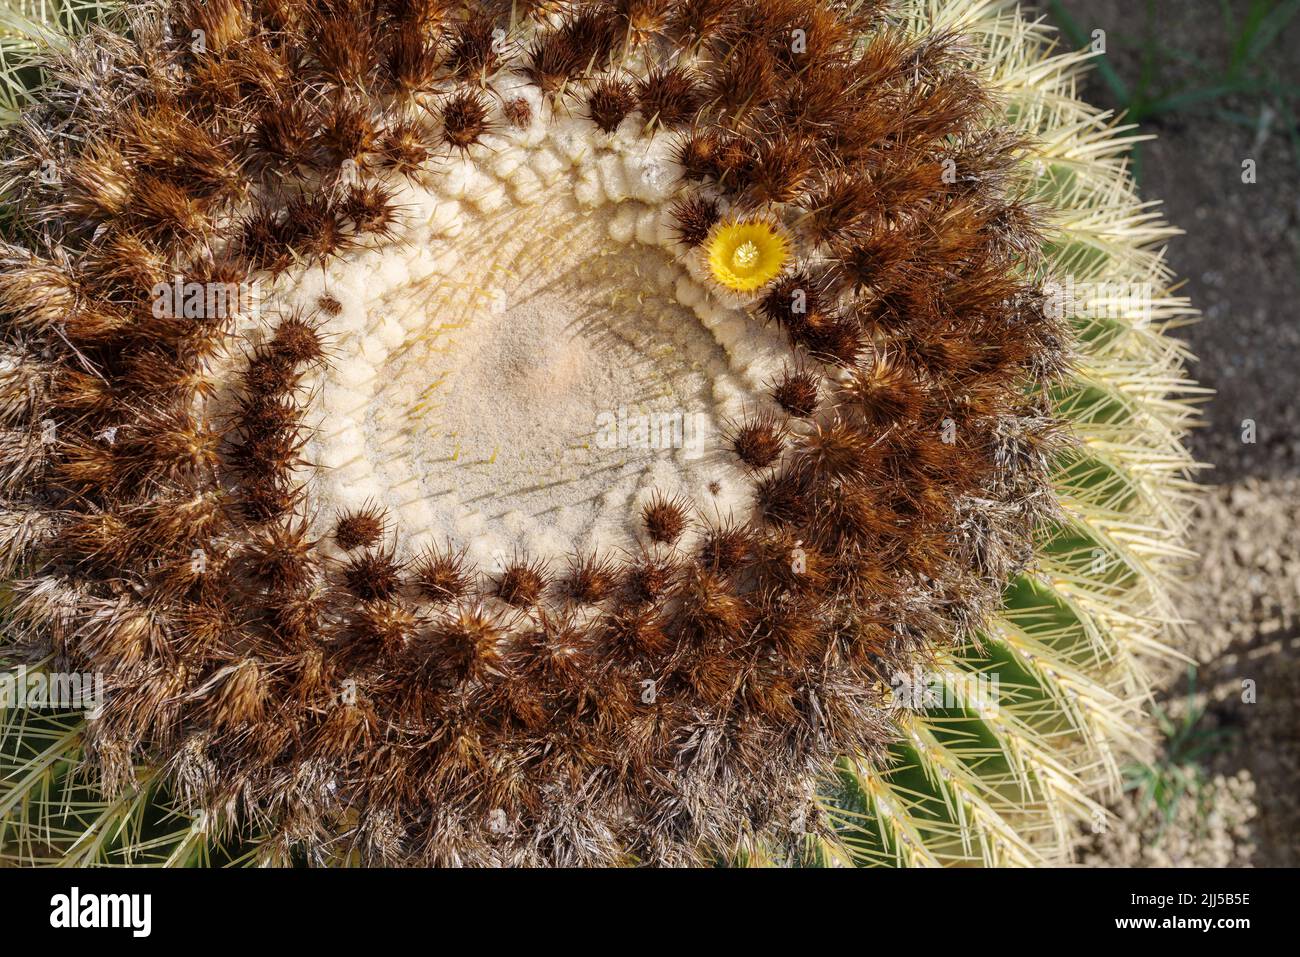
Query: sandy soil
[{"x": 1241, "y": 261}]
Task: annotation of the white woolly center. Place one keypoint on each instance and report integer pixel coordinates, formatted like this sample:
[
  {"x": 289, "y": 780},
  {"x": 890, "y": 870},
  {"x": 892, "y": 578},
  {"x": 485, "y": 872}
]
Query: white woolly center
[{"x": 531, "y": 356}]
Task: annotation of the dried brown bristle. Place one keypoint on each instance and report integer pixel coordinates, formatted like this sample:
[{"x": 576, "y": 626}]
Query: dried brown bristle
[
  {"x": 726, "y": 546},
  {"x": 413, "y": 54},
  {"x": 649, "y": 576},
  {"x": 643, "y": 18},
  {"x": 285, "y": 138},
  {"x": 746, "y": 76},
  {"x": 237, "y": 696},
  {"x": 701, "y": 20},
  {"x": 759, "y": 439},
  {"x": 799, "y": 303},
  {"x": 785, "y": 560},
  {"x": 696, "y": 152},
  {"x": 609, "y": 101},
  {"x": 578, "y": 45},
  {"x": 711, "y": 610},
  {"x": 380, "y": 631},
  {"x": 264, "y": 500},
  {"x": 779, "y": 172},
  {"x": 462, "y": 645},
  {"x": 370, "y": 208},
  {"x": 840, "y": 205},
  {"x": 798, "y": 392},
  {"x": 640, "y": 629},
  {"x": 668, "y": 96},
  {"x": 472, "y": 52},
  {"x": 518, "y": 113},
  {"x": 694, "y": 217},
  {"x": 521, "y": 583},
  {"x": 665, "y": 518},
  {"x": 270, "y": 373},
  {"x": 883, "y": 394},
  {"x": 297, "y": 338},
  {"x": 442, "y": 575},
  {"x": 404, "y": 147},
  {"x": 348, "y": 135},
  {"x": 282, "y": 556},
  {"x": 590, "y": 579},
  {"x": 464, "y": 118},
  {"x": 373, "y": 575},
  {"x": 312, "y": 228},
  {"x": 359, "y": 529},
  {"x": 833, "y": 449},
  {"x": 838, "y": 341},
  {"x": 782, "y": 498}
]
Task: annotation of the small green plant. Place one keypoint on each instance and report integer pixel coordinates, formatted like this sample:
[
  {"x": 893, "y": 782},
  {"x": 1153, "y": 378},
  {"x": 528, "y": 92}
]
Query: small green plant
[
  {"x": 1248, "y": 64},
  {"x": 1178, "y": 774}
]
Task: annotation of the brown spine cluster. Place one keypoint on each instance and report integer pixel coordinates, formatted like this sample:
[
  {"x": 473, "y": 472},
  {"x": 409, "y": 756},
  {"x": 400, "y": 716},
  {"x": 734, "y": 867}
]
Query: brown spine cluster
[{"x": 657, "y": 708}]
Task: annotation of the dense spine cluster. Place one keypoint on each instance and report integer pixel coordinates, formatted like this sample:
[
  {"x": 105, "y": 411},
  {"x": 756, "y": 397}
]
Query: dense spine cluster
[{"x": 678, "y": 703}]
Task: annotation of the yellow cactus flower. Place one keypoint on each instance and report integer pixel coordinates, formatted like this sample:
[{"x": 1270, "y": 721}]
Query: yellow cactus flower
[{"x": 744, "y": 255}]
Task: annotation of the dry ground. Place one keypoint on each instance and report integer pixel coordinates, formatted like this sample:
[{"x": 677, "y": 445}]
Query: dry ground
[{"x": 1241, "y": 260}]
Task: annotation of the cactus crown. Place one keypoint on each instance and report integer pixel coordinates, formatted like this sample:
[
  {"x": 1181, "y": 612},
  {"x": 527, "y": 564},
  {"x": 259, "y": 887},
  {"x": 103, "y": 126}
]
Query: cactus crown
[{"x": 834, "y": 191}]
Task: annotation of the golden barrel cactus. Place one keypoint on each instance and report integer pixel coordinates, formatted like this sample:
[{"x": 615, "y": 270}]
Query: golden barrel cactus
[{"x": 627, "y": 431}]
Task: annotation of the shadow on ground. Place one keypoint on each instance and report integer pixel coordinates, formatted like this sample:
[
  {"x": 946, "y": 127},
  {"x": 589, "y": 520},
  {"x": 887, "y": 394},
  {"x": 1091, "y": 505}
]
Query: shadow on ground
[{"x": 1218, "y": 83}]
